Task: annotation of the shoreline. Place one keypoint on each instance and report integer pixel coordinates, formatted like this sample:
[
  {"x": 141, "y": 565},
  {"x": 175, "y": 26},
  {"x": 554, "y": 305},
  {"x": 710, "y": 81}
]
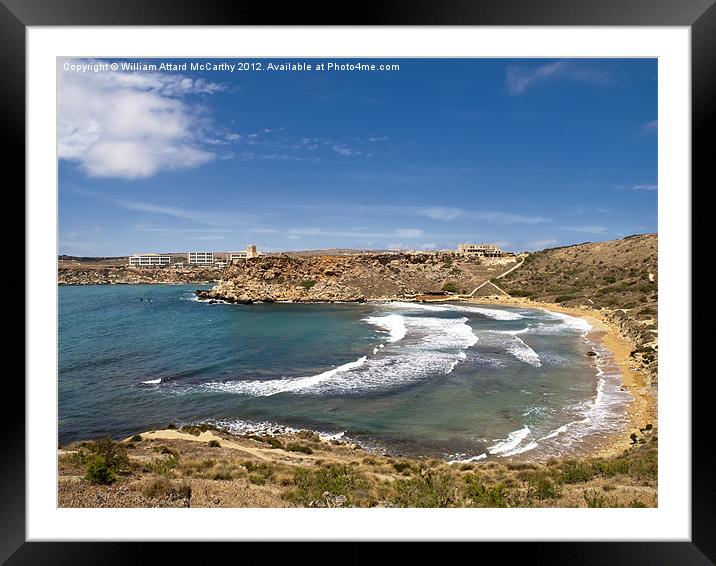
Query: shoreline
[{"x": 642, "y": 409}]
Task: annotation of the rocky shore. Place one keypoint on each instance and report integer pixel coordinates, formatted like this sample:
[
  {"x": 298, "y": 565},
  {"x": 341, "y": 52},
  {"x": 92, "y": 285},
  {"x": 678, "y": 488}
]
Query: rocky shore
[{"x": 125, "y": 275}]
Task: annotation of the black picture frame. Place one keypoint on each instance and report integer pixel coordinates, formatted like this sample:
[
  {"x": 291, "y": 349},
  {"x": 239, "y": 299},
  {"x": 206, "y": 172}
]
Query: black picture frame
[{"x": 699, "y": 15}]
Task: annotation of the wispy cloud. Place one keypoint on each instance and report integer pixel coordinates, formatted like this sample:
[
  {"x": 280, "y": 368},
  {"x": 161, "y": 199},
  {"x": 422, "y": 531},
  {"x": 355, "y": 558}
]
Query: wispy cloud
[
  {"x": 541, "y": 244},
  {"x": 638, "y": 187},
  {"x": 131, "y": 124},
  {"x": 182, "y": 213},
  {"x": 520, "y": 78},
  {"x": 650, "y": 126},
  {"x": 586, "y": 229},
  {"x": 448, "y": 214},
  {"x": 589, "y": 210},
  {"x": 345, "y": 151},
  {"x": 358, "y": 234},
  {"x": 441, "y": 213}
]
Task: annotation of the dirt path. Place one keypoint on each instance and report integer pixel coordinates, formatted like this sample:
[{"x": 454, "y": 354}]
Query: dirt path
[{"x": 267, "y": 454}]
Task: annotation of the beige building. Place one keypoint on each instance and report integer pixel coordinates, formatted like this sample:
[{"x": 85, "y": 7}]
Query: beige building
[
  {"x": 249, "y": 253},
  {"x": 149, "y": 260},
  {"x": 480, "y": 250}
]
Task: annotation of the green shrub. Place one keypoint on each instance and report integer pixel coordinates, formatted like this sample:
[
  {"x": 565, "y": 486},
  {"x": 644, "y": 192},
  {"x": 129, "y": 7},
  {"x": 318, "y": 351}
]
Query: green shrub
[
  {"x": 430, "y": 488},
  {"x": 307, "y": 284},
  {"x": 99, "y": 471},
  {"x": 308, "y": 435},
  {"x": 450, "y": 287},
  {"x": 298, "y": 447},
  {"x": 402, "y": 466},
  {"x": 257, "y": 479},
  {"x": 541, "y": 487},
  {"x": 337, "y": 480},
  {"x": 136, "y": 438},
  {"x": 105, "y": 460},
  {"x": 162, "y": 466},
  {"x": 594, "y": 499},
  {"x": 197, "y": 429},
  {"x": 213, "y": 444},
  {"x": 577, "y": 473},
  {"x": 483, "y": 495}
]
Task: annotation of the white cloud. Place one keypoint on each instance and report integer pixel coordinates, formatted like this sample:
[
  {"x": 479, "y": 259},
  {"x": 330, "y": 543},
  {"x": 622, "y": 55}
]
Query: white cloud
[
  {"x": 409, "y": 233},
  {"x": 345, "y": 151},
  {"x": 644, "y": 187},
  {"x": 131, "y": 124},
  {"x": 443, "y": 213},
  {"x": 519, "y": 78}
]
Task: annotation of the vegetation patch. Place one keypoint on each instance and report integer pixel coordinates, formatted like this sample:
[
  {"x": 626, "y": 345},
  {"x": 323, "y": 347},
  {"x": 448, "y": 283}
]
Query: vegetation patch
[
  {"x": 450, "y": 287},
  {"x": 298, "y": 447},
  {"x": 104, "y": 459},
  {"x": 310, "y": 485}
]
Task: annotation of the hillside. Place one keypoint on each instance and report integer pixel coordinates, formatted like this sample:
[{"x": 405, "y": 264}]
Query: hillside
[
  {"x": 201, "y": 466},
  {"x": 619, "y": 277},
  {"x": 359, "y": 277}
]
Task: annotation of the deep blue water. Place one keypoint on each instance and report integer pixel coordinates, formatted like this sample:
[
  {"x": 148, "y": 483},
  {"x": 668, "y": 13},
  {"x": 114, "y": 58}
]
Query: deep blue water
[{"x": 454, "y": 381}]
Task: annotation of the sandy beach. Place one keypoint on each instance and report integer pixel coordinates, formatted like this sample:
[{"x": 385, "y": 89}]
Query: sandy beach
[{"x": 643, "y": 409}]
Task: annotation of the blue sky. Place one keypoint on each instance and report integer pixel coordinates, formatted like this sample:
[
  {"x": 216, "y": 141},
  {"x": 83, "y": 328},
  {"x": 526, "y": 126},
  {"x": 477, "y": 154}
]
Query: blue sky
[{"x": 528, "y": 153}]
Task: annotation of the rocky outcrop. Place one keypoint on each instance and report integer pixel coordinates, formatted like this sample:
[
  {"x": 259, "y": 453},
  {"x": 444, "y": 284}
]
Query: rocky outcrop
[
  {"x": 352, "y": 278},
  {"x": 125, "y": 275}
]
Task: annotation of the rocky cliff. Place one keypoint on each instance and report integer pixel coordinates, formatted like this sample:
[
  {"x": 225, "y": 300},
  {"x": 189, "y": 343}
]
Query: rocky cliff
[{"x": 358, "y": 277}]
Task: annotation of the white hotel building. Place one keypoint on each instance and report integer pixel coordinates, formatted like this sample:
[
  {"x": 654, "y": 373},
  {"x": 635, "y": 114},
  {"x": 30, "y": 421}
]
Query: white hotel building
[
  {"x": 149, "y": 260},
  {"x": 200, "y": 258}
]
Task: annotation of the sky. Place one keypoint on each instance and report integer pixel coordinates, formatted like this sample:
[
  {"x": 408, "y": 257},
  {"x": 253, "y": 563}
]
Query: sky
[{"x": 526, "y": 153}]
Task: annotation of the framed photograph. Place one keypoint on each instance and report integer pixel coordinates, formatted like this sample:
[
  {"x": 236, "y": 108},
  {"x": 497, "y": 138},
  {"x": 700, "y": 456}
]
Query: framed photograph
[{"x": 424, "y": 275}]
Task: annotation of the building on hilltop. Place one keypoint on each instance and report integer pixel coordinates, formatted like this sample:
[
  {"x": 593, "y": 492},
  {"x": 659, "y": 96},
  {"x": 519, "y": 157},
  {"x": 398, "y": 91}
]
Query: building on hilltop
[
  {"x": 149, "y": 260},
  {"x": 249, "y": 253},
  {"x": 200, "y": 258},
  {"x": 480, "y": 250}
]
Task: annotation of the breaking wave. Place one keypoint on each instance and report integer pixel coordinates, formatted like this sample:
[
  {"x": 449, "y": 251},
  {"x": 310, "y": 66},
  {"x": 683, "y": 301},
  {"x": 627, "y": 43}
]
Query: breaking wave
[{"x": 418, "y": 348}]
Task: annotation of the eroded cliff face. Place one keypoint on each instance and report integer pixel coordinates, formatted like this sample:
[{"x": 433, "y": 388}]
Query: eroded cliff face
[{"x": 359, "y": 277}]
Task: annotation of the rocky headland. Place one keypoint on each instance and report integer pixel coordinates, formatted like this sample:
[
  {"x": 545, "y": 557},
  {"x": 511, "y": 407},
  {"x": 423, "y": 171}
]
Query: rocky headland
[{"x": 354, "y": 278}]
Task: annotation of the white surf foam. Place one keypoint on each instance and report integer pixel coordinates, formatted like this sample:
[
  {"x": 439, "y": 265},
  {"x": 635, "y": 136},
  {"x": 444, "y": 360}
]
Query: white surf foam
[
  {"x": 523, "y": 352},
  {"x": 497, "y": 314},
  {"x": 513, "y": 440},
  {"x": 461, "y": 459},
  {"x": 567, "y": 322},
  {"x": 153, "y": 381},
  {"x": 431, "y": 347},
  {"x": 274, "y": 386},
  {"x": 521, "y": 449},
  {"x": 393, "y": 323}
]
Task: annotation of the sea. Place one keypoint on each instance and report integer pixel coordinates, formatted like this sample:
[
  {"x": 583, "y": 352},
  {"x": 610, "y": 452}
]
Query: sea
[{"x": 461, "y": 382}]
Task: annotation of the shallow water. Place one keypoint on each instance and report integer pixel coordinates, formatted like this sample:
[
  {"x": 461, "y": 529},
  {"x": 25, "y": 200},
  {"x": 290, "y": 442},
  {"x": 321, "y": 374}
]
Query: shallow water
[{"x": 455, "y": 381}]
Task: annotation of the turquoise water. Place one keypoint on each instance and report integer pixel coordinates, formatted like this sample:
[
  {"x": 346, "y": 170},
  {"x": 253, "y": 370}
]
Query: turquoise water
[{"x": 455, "y": 381}]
